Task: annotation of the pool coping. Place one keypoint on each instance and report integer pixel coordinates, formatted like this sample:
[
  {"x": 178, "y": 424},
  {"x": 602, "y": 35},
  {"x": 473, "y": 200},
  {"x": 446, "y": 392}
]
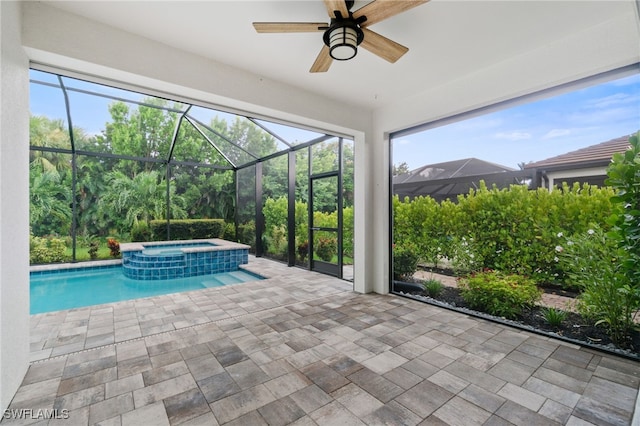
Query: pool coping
[
  {"x": 217, "y": 245},
  {"x": 53, "y": 267}
]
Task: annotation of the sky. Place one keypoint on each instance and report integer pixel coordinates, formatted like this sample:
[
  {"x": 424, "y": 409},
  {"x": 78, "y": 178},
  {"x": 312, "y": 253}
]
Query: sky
[
  {"x": 90, "y": 112},
  {"x": 521, "y": 134},
  {"x": 531, "y": 132}
]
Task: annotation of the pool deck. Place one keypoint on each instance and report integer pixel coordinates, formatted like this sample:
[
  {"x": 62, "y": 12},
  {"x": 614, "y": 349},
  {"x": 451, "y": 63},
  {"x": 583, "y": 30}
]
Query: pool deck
[{"x": 302, "y": 348}]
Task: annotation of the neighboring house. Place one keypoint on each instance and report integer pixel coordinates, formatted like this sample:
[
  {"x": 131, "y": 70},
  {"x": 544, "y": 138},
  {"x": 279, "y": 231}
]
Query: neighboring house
[
  {"x": 452, "y": 178},
  {"x": 586, "y": 165}
]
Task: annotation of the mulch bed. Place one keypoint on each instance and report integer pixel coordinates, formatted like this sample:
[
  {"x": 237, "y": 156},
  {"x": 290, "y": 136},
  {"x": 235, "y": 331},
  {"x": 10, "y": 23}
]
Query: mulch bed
[{"x": 574, "y": 328}]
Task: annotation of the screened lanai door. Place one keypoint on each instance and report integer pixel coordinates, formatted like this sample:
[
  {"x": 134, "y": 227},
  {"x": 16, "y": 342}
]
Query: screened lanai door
[{"x": 325, "y": 238}]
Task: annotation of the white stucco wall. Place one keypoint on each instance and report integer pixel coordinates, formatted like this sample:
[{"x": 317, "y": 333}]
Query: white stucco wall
[{"x": 14, "y": 204}]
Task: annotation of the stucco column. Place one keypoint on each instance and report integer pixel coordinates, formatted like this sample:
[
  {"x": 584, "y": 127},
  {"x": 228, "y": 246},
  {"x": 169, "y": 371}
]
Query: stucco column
[{"x": 14, "y": 203}]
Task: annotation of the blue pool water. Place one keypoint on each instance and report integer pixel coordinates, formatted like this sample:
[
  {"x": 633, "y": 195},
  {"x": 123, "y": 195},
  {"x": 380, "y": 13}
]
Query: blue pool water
[{"x": 68, "y": 289}]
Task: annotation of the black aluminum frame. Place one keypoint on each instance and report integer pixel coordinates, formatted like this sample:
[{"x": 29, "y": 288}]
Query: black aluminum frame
[{"x": 183, "y": 114}]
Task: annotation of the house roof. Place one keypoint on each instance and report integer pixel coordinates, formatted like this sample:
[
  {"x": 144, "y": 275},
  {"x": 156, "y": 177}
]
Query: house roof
[
  {"x": 601, "y": 152},
  {"x": 450, "y": 169},
  {"x": 452, "y": 178}
]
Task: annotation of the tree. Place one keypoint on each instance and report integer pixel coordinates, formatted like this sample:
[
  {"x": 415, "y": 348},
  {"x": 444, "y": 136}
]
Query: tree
[
  {"x": 49, "y": 201},
  {"x": 144, "y": 132},
  {"x": 400, "y": 169},
  {"x": 142, "y": 198},
  {"x": 50, "y": 133}
]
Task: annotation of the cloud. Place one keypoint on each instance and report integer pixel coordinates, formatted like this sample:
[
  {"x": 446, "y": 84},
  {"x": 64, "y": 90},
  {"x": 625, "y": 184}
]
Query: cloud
[
  {"x": 617, "y": 99},
  {"x": 555, "y": 133},
  {"x": 513, "y": 136},
  {"x": 401, "y": 141}
]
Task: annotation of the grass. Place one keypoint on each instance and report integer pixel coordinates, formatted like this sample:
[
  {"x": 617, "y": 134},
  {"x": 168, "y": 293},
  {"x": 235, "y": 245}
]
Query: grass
[{"x": 82, "y": 254}]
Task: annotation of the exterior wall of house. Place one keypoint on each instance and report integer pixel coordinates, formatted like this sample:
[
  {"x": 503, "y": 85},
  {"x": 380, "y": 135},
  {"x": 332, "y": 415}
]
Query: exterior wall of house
[
  {"x": 14, "y": 204},
  {"x": 554, "y": 178}
]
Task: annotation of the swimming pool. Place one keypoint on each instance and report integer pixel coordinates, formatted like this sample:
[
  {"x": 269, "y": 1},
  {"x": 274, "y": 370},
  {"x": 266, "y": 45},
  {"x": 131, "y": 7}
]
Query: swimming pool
[{"x": 79, "y": 287}]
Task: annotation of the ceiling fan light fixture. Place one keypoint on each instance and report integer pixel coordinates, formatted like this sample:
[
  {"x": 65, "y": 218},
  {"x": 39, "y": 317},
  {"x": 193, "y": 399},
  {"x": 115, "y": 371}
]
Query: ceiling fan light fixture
[{"x": 343, "y": 42}]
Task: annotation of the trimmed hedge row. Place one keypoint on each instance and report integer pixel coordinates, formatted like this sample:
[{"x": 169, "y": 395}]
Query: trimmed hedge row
[
  {"x": 188, "y": 229},
  {"x": 513, "y": 230}
]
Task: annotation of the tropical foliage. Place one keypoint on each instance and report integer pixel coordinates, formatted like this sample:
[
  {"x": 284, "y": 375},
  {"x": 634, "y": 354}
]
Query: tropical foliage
[{"x": 123, "y": 181}]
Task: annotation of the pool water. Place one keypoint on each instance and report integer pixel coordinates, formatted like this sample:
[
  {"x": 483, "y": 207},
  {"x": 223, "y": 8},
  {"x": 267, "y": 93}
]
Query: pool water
[{"x": 55, "y": 291}]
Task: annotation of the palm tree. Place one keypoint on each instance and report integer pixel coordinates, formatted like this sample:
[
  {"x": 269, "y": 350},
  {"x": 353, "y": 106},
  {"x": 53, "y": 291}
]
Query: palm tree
[
  {"x": 141, "y": 198},
  {"x": 50, "y": 199}
]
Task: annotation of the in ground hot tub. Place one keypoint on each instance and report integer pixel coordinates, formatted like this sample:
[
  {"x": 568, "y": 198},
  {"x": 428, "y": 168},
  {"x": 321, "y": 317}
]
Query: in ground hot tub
[{"x": 161, "y": 260}]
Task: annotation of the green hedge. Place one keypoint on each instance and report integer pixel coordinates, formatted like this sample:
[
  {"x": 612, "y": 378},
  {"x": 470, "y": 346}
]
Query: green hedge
[
  {"x": 188, "y": 229},
  {"x": 513, "y": 230},
  {"x": 247, "y": 234},
  {"x": 275, "y": 213},
  {"x": 46, "y": 249}
]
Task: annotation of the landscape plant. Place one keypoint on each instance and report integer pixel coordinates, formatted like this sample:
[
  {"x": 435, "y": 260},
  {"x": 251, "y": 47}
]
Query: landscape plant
[
  {"x": 303, "y": 250},
  {"x": 46, "y": 250},
  {"x": 326, "y": 248},
  {"x": 554, "y": 317},
  {"x": 405, "y": 261},
  {"x": 498, "y": 293},
  {"x": 433, "y": 287},
  {"x": 591, "y": 260},
  {"x": 511, "y": 229},
  {"x": 93, "y": 249},
  {"x": 623, "y": 175},
  {"x": 114, "y": 247}
]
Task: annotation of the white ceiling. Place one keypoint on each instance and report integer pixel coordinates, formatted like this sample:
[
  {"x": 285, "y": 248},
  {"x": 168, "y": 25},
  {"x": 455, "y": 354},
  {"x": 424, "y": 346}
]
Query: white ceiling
[{"x": 447, "y": 39}]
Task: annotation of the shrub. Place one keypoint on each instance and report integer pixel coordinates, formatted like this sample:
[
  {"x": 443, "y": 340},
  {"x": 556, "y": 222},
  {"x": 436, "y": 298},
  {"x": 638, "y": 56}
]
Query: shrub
[
  {"x": 500, "y": 294},
  {"x": 46, "y": 250},
  {"x": 276, "y": 242},
  {"x": 465, "y": 256},
  {"x": 405, "y": 261},
  {"x": 141, "y": 231},
  {"x": 623, "y": 174},
  {"x": 420, "y": 222},
  {"x": 229, "y": 231},
  {"x": 592, "y": 262},
  {"x": 93, "y": 249},
  {"x": 188, "y": 229},
  {"x": 247, "y": 234},
  {"x": 303, "y": 250},
  {"x": 114, "y": 247},
  {"x": 326, "y": 248},
  {"x": 433, "y": 287},
  {"x": 512, "y": 229}
]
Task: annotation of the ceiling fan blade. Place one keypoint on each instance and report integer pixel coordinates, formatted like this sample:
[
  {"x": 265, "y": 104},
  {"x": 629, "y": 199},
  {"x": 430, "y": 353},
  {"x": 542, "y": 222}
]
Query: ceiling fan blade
[
  {"x": 333, "y": 5},
  {"x": 382, "y": 46},
  {"x": 323, "y": 61},
  {"x": 379, "y": 10},
  {"x": 289, "y": 27}
]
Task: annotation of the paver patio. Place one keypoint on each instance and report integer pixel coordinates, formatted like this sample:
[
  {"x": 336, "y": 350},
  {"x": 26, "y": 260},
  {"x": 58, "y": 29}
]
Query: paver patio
[{"x": 302, "y": 348}]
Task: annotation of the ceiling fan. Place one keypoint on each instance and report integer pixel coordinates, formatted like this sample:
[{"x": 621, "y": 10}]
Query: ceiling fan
[{"x": 347, "y": 30}]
